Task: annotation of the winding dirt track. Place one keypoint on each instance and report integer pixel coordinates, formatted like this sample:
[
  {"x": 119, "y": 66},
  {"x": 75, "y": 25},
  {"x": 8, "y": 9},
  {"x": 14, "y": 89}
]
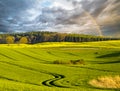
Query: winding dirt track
[{"x": 49, "y": 82}]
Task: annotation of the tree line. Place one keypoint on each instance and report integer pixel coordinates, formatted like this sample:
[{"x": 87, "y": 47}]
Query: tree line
[{"x": 38, "y": 37}]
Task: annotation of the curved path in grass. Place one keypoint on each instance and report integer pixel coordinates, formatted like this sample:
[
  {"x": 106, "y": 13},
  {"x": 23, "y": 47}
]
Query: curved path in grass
[{"x": 51, "y": 82}]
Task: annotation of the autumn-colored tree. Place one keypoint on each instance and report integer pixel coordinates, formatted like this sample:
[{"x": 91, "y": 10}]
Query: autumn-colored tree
[
  {"x": 23, "y": 40},
  {"x": 10, "y": 39}
]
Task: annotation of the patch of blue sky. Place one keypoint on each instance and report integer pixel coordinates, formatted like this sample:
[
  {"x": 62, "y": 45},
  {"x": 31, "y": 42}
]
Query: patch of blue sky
[{"x": 46, "y": 3}]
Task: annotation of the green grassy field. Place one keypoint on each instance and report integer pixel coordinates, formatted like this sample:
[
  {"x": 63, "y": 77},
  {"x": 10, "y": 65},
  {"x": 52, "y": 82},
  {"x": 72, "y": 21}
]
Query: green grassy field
[{"x": 31, "y": 67}]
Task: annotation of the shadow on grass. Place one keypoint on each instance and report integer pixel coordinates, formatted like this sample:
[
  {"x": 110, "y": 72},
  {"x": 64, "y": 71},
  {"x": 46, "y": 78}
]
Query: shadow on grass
[
  {"x": 93, "y": 69},
  {"x": 112, "y": 62},
  {"x": 116, "y": 54}
]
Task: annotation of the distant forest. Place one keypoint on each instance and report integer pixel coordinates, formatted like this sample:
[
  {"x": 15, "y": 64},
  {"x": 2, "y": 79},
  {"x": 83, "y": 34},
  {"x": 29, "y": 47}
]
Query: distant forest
[{"x": 38, "y": 37}]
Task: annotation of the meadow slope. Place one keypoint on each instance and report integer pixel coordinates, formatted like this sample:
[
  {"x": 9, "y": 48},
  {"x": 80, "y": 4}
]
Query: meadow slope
[{"x": 25, "y": 67}]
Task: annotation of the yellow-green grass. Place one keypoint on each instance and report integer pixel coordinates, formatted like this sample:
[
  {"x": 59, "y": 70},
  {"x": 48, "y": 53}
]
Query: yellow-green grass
[
  {"x": 27, "y": 67},
  {"x": 101, "y": 44}
]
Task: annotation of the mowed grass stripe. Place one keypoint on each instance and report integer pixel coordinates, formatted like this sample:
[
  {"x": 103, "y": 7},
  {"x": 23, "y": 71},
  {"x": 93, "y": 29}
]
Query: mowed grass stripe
[
  {"x": 26, "y": 55},
  {"x": 26, "y": 70},
  {"x": 7, "y": 56},
  {"x": 12, "y": 55},
  {"x": 50, "y": 82},
  {"x": 90, "y": 68},
  {"x": 30, "y": 55},
  {"x": 10, "y": 79},
  {"x": 43, "y": 53}
]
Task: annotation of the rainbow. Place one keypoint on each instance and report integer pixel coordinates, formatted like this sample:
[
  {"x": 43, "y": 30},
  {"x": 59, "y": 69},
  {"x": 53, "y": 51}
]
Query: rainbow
[{"x": 98, "y": 29}]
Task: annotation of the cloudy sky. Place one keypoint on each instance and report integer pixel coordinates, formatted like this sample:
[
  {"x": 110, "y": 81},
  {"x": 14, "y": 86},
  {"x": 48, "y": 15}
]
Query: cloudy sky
[{"x": 97, "y": 17}]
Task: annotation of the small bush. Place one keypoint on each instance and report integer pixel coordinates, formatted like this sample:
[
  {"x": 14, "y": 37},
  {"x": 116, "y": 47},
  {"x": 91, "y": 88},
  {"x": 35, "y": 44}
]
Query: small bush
[
  {"x": 58, "y": 62},
  {"x": 81, "y": 61},
  {"x": 96, "y": 53}
]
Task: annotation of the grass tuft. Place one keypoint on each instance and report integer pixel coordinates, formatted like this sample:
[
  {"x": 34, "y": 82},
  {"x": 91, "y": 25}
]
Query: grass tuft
[{"x": 106, "y": 82}]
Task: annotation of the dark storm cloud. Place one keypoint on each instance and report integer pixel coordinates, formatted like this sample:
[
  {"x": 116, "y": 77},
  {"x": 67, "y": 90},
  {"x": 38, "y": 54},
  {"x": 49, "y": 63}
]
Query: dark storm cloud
[
  {"x": 94, "y": 6},
  {"x": 78, "y": 16},
  {"x": 14, "y": 14},
  {"x": 9, "y": 9}
]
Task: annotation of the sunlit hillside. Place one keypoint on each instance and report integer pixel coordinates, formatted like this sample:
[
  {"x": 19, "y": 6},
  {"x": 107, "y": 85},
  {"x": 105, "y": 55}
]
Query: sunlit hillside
[{"x": 59, "y": 66}]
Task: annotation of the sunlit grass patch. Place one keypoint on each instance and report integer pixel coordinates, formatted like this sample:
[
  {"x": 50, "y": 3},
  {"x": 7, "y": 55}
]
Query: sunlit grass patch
[
  {"x": 26, "y": 67},
  {"x": 106, "y": 82},
  {"x": 100, "y": 44}
]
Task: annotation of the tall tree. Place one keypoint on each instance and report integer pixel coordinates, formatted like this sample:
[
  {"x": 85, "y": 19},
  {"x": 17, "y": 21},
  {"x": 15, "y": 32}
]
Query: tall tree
[
  {"x": 23, "y": 40},
  {"x": 10, "y": 39}
]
